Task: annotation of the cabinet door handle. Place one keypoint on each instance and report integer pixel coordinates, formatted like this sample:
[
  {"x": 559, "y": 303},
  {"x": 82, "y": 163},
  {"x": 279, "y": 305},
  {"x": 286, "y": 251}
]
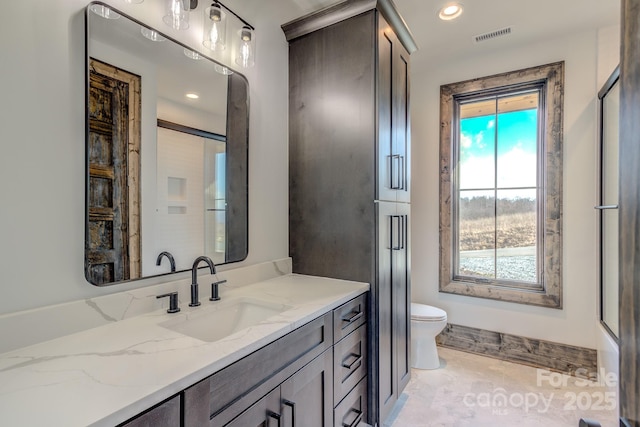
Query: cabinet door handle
[
  {"x": 396, "y": 172},
  {"x": 291, "y": 405},
  {"x": 355, "y": 315},
  {"x": 606, "y": 207},
  {"x": 397, "y": 232},
  {"x": 273, "y": 415},
  {"x": 358, "y": 358},
  {"x": 356, "y": 421}
]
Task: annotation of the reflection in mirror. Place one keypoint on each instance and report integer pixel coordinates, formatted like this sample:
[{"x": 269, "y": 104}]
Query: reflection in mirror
[{"x": 167, "y": 145}]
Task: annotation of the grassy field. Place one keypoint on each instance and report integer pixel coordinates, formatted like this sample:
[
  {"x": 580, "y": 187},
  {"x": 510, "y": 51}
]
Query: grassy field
[{"x": 513, "y": 231}]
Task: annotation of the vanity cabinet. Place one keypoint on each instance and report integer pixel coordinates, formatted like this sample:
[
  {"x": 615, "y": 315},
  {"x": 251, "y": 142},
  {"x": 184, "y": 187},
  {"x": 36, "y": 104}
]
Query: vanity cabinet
[
  {"x": 349, "y": 170},
  {"x": 291, "y": 381}
]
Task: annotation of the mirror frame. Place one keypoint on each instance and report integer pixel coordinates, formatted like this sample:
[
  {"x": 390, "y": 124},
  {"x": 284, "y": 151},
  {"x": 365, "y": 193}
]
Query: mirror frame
[{"x": 237, "y": 191}]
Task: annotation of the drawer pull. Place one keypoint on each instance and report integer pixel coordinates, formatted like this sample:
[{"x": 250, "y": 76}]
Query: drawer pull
[
  {"x": 274, "y": 416},
  {"x": 291, "y": 405},
  {"x": 358, "y": 358},
  {"x": 355, "y": 315},
  {"x": 356, "y": 421}
]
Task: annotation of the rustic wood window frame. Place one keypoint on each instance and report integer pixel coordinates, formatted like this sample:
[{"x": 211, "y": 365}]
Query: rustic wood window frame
[{"x": 549, "y": 293}]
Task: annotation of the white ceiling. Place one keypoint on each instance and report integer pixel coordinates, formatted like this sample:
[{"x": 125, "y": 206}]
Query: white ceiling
[{"x": 532, "y": 20}]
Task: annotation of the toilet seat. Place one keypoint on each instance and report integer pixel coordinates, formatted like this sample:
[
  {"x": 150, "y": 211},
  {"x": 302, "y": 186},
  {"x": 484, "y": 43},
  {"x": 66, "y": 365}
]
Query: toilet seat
[{"x": 427, "y": 313}]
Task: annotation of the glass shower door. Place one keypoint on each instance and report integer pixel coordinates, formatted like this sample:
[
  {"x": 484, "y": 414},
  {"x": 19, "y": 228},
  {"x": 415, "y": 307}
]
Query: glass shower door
[{"x": 608, "y": 208}]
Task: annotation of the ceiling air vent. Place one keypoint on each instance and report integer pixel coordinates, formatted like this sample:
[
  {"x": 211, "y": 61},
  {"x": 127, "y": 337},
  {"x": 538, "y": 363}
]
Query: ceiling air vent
[{"x": 492, "y": 35}]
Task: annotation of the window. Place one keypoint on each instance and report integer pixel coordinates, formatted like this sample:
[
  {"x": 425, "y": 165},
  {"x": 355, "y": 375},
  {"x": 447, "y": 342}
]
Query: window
[{"x": 501, "y": 186}]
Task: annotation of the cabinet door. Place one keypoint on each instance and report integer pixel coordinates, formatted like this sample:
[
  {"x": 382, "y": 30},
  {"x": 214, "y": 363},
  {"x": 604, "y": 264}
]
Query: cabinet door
[
  {"x": 393, "y": 117},
  {"x": 387, "y": 389},
  {"x": 264, "y": 413},
  {"x": 394, "y": 301},
  {"x": 307, "y": 397},
  {"x": 401, "y": 285},
  {"x": 401, "y": 144}
]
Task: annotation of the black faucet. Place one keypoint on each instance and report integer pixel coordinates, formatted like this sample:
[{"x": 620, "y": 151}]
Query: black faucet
[
  {"x": 169, "y": 257},
  {"x": 194, "y": 278}
]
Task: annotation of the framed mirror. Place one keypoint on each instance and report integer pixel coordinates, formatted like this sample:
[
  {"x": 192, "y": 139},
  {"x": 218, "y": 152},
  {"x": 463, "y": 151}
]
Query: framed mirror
[{"x": 167, "y": 133}]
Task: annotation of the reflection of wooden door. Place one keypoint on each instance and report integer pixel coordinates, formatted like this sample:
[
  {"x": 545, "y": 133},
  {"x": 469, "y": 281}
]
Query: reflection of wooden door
[{"x": 112, "y": 248}]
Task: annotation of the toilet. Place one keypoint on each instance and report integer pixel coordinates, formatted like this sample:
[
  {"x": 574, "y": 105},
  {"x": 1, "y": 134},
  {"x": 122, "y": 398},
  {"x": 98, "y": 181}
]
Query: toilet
[{"x": 426, "y": 323}]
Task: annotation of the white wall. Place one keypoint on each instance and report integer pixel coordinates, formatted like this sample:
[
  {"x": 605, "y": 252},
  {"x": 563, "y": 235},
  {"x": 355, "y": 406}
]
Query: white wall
[
  {"x": 42, "y": 140},
  {"x": 575, "y": 324}
]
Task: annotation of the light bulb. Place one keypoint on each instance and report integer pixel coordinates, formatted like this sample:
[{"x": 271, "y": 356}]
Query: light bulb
[
  {"x": 177, "y": 14},
  {"x": 246, "y": 54},
  {"x": 215, "y": 28}
]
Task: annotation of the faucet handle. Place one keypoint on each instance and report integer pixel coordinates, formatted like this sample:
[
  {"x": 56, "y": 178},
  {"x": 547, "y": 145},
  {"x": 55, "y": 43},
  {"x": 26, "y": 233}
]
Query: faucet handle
[
  {"x": 173, "y": 301},
  {"x": 215, "y": 296}
]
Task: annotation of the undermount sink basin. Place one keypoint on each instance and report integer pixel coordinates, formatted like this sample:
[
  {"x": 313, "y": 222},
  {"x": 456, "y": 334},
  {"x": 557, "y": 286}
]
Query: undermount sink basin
[{"x": 223, "y": 319}]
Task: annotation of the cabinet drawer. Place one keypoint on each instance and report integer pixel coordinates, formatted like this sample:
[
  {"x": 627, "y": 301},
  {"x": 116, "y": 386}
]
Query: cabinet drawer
[
  {"x": 352, "y": 411},
  {"x": 349, "y": 316},
  {"x": 349, "y": 362},
  {"x": 166, "y": 414}
]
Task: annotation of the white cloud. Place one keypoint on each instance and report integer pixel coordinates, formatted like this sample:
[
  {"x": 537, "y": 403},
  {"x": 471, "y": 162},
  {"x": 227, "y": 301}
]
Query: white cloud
[
  {"x": 516, "y": 168},
  {"x": 465, "y": 141}
]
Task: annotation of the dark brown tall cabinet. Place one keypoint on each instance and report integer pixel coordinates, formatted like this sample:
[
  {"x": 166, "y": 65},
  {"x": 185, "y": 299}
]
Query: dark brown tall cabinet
[{"x": 349, "y": 170}]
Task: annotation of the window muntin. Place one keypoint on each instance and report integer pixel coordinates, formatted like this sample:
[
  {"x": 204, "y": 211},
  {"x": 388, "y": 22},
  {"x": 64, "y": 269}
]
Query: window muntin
[{"x": 497, "y": 226}]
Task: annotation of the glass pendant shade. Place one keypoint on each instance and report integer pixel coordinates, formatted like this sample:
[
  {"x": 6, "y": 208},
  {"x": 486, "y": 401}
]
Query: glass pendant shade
[
  {"x": 215, "y": 28},
  {"x": 152, "y": 35},
  {"x": 177, "y": 14},
  {"x": 104, "y": 11},
  {"x": 247, "y": 51}
]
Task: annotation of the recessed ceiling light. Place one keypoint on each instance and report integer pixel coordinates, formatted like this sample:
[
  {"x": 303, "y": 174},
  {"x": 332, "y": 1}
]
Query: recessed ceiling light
[
  {"x": 192, "y": 96},
  {"x": 450, "y": 11}
]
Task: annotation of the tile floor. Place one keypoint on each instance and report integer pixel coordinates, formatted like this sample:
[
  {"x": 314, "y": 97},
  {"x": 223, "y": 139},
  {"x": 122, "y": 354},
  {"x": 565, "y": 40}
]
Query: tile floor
[{"x": 472, "y": 390}]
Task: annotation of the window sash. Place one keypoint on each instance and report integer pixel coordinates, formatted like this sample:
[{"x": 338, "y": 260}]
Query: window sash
[{"x": 497, "y": 95}]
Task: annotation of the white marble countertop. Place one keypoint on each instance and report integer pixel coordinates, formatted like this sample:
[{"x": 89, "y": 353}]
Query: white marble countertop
[{"x": 108, "y": 374}]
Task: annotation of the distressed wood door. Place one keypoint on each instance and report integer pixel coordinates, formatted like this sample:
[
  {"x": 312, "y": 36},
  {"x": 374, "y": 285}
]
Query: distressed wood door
[{"x": 112, "y": 248}]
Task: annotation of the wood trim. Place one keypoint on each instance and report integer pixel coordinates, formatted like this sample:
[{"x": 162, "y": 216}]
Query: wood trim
[
  {"x": 629, "y": 211},
  {"x": 568, "y": 359},
  {"x": 551, "y": 295},
  {"x": 133, "y": 159},
  {"x": 347, "y": 9}
]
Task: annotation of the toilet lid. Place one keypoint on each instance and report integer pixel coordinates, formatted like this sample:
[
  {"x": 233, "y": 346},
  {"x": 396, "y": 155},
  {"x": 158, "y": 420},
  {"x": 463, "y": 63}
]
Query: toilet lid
[{"x": 427, "y": 312}]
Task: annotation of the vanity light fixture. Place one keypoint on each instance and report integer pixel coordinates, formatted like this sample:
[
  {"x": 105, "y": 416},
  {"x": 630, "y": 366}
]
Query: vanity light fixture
[
  {"x": 247, "y": 52},
  {"x": 215, "y": 27},
  {"x": 450, "y": 11},
  {"x": 104, "y": 11},
  {"x": 152, "y": 35},
  {"x": 177, "y": 13},
  {"x": 192, "y": 96},
  {"x": 215, "y": 32}
]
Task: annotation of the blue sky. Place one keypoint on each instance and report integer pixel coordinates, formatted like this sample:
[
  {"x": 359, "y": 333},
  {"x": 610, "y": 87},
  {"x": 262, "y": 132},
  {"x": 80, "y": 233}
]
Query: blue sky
[{"x": 517, "y": 150}]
